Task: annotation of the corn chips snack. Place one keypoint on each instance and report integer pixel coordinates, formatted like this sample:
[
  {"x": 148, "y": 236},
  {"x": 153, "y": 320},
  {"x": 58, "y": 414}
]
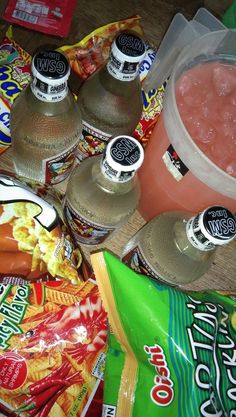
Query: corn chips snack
[
  {"x": 14, "y": 76},
  {"x": 34, "y": 243},
  {"x": 52, "y": 349}
]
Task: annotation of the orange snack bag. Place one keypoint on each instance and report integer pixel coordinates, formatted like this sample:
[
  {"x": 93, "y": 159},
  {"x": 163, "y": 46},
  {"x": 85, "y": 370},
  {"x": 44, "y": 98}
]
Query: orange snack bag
[
  {"x": 89, "y": 54},
  {"x": 34, "y": 242}
]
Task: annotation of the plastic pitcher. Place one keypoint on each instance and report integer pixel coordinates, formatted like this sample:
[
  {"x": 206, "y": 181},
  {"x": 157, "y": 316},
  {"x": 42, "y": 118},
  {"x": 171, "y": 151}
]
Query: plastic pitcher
[{"x": 176, "y": 173}]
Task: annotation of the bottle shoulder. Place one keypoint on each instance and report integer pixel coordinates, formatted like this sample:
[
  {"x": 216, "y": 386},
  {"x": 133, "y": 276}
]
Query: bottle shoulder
[{"x": 27, "y": 102}]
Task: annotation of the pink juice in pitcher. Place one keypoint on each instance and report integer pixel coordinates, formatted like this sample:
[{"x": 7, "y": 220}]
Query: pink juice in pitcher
[{"x": 206, "y": 101}]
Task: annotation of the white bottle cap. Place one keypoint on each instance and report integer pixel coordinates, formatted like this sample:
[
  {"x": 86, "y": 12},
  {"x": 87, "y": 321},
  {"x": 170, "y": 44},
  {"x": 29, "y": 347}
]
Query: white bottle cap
[
  {"x": 214, "y": 226},
  {"x": 123, "y": 156},
  {"x": 127, "y": 52},
  {"x": 50, "y": 70}
]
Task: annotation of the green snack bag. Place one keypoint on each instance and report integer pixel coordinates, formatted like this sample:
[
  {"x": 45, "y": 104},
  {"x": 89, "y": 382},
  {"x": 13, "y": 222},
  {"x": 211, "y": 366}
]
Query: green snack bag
[{"x": 171, "y": 353}]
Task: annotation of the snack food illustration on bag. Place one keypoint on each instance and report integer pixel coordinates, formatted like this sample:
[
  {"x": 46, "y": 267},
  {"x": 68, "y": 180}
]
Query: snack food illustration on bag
[
  {"x": 52, "y": 349},
  {"x": 34, "y": 242}
]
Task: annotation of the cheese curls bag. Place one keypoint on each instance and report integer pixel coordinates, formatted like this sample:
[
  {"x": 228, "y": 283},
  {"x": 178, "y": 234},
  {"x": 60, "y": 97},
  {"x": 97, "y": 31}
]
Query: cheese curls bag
[
  {"x": 34, "y": 242},
  {"x": 52, "y": 349},
  {"x": 14, "y": 76},
  {"x": 170, "y": 352}
]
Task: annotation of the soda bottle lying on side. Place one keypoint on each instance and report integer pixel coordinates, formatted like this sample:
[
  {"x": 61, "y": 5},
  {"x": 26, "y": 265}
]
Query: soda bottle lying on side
[{"x": 178, "y": 248}]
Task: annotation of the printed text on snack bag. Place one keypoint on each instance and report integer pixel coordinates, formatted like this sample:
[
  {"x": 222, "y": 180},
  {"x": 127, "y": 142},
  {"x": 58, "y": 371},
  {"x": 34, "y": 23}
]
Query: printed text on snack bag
[
  {"x": 12, "y": 313},
  {"x": 162, "y": 393},
  {"x": 210, "y": 320}
]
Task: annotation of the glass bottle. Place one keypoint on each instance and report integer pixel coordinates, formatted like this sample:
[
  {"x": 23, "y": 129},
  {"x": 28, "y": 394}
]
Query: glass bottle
[
  {"x": 45, "y": 122},
  {"x": 103, "y": 191},
  {"x": 110, "y": 100},
  {"x": 178, "y": 248}
]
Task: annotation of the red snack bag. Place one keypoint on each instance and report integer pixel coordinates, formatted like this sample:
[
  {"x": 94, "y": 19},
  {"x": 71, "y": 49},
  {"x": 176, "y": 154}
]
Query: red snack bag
[
  {"x": 14, "y": 76},
  {"x": 47, "y": 16},
  {"x": 52, "y": 350}
]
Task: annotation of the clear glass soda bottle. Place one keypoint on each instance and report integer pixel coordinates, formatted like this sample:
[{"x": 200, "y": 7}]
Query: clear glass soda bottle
[
  {"x": 110, "y": 100},
  {"x": 45, "y": 122},
  {"x": 178, "y": 248},
  {"x": 103, "y": 191}
]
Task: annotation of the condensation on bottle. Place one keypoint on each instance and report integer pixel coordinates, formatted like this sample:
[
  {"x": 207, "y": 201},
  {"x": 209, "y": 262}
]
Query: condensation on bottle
[
  {"x": 103, "y": 191},
  {"x": 110, "y": 100},
  {"x": 45, "y": 122},
  {"x": 177, "y": 248}
]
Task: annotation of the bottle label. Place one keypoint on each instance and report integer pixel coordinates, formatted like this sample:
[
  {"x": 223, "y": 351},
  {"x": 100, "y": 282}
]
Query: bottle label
[
  {"x": 136, "y": 260},
  {"x": 196, "y": 237},
  {"x": 46, "y": 92},
  {"x": 83, "y": 230},
  {"x": 123, "y": 71},
  {"x": 92, "y": 142},
  {"x": 174, "y": 164},
  {"x": 58, "y": 167}
]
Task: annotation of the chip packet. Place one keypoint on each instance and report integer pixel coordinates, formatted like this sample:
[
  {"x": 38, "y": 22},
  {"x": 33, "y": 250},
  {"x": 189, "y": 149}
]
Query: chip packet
[
  {"x": 90, "y": 53},
  {"x": 34, "y": 242},
  {"x": 14, "y": 76},
  {"x": 171, "y": 352},
  {"x": 47, "y": 16},
  {"x": 52, "y": 349}
]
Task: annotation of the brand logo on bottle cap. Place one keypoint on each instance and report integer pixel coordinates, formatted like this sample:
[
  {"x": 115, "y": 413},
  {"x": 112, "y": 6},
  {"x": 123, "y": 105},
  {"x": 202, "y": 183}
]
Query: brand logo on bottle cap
[
  {"x": 220, "y": 223},
  {"x": 130, "y": 44},
  {"x": 125, "y": 151},
  {"x": 50, "y": 64}
]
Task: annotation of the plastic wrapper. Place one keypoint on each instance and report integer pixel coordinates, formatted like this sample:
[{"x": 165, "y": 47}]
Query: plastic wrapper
[
  {"x": 34, "y": 242},
  {"x": 89, "y": 54},
  {"x": 14, "y": 76},
  {"x": 47, "y": 16},
  {"x": 52, "y": 350},
  {"x": 170, "y": 352}
]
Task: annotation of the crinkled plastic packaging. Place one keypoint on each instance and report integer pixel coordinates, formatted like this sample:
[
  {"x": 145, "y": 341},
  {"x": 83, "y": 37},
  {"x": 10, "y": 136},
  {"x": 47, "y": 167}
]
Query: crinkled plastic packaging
[
  {"x": 51, "y": 17},
  {"x": 52, "y": 349},
  {"x": 171, "y": 352},
  {"x": 14, "y": 76},
  {"x": 89, "y": 54},
  {"x": 34, "y": 242}
]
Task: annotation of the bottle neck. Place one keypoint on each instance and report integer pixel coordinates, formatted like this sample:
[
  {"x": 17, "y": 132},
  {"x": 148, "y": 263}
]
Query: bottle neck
[
  {"x": 186, "y": 242},
  {"x": 115, "y": 176},
  {"x": 48, "y": 92},
  {"x": 122, "y": 70},
  {"x": 104, "y": 182}
]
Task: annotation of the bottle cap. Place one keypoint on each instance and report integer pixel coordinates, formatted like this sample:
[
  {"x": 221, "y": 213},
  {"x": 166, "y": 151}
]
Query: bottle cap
[
  {"x": 127, "y": 51},
  {"x": 50, "y": 70},
  {"x": 123, "y": 156},
  {"x": 214, "y": 226}
]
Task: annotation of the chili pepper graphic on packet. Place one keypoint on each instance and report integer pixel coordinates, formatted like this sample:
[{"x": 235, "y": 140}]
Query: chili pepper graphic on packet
[
  {"x": 52, "y": 350},
  {"x": 170, "y": 352}
]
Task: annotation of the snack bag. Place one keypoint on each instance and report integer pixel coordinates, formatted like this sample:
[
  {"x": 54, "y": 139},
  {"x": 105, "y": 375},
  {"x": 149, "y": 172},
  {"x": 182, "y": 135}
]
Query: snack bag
[
  {"x": 52, "y": 350},
  {"x": 171, "y": 353},
  {"x": 14, "y": 76},
  {"x": 47, "y": 16},
  {"x": 89, "y": 54},
  {"x": 34, "y": 243}
]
